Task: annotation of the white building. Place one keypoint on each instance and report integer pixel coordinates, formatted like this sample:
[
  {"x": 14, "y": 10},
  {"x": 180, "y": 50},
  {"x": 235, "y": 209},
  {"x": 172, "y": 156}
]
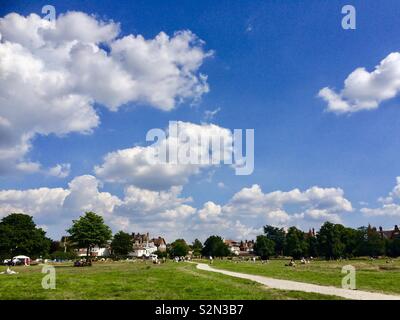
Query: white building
[
  {"x": 145, "y": 250},
  {"x": 233, "y": 246},
  {"x": 143, "y": 246},
  {"x": 95, "y": 252}
]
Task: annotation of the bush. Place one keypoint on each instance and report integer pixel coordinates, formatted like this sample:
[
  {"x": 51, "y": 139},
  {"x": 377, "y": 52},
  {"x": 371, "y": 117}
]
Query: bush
[
  {"x": 116, "y": 257},
  {"x": 61, "y": 255},
  {"x": 161, "y": 254}
]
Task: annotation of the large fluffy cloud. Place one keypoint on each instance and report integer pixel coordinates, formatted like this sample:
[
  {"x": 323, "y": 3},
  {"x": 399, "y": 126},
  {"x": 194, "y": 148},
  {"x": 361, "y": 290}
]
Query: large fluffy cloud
[
  {"x": 51, "y": 75},
  {"x": 37, "y": 202},
  {"x": 285, "y": 207},
  {"x": 365, "y": 90},
  {"x": 250, "y": 208},
  {"x": 390, "y": 205},
  {"x": 55, "y": 206},
  {"x": 163, "y": 212},
  {"x": 158, "y": 212},
  {"x": 169, "y": 213},
  {"x": 137, "y": 166}
]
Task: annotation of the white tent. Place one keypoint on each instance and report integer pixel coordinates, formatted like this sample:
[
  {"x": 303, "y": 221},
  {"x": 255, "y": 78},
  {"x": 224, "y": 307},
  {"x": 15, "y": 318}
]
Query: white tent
[{"x": 24, "y": 259}]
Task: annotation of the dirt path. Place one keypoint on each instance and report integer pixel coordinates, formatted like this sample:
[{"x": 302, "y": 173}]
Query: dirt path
[{"x": 301, "y": 286}]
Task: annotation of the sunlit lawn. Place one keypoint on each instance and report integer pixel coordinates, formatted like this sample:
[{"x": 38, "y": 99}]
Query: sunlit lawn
[
  {"x": 137, "y": 280},
  {"x": 376, "y": 275}
]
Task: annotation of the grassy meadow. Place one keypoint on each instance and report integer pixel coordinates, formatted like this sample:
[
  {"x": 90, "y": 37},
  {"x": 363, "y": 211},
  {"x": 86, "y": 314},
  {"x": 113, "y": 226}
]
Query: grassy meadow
[
  {"x": 379, "y": 275},
  {"x": 137, "y": 280}
]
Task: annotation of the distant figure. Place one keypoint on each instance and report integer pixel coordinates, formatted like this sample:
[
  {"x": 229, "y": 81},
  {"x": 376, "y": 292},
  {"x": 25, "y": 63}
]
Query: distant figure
[
  {"x": 254, "y": 259},
  {"x": 291, "y": 263},
  {"x": 211, "y": 259}
]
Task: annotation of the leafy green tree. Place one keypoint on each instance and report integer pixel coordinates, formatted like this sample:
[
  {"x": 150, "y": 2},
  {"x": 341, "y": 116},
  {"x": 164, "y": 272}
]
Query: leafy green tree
[
  {"x": 296, "y": 244},
  {"x": 264, "y": 247},
  {"x": 19, "y": 235},
  {"x": 197, "y": 246},
  {"x": 214, "y": 246},
  {"x": 61, "y": 255},
  {"x": 330, "y": 241},
  {"x": 370, "y": 242},
  {"x": 350, "y": 238},
  {"x": 121, "y": 244},
  {"x": 179, "y": 248},
  {"x": 278, "y": 236},
  {"x": 55, "y": 246},
  {"x": 312, "y": 244},
  {"x": 89, "y": 231},
  {"x": 393, "y": 247},
  {"x": 161, "y": 254}
]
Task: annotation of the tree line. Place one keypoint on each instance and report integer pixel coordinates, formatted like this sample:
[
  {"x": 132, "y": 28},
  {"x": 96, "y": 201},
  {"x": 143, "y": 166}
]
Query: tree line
[
  {"x": 20, "y": 235},
  {"x": 332, "y": 241}
]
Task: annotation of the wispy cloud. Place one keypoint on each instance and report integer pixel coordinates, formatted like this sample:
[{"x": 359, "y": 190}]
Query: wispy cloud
[{"x": 209, "y": 115}]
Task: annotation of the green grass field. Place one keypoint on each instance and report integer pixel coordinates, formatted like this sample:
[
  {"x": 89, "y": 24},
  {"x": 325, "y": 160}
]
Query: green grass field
[
  {"x": 375, "y": 275},
  {"x": 137, "y": 280}
]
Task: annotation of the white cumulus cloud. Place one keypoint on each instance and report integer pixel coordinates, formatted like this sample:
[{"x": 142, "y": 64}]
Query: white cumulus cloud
[
  {"x": 171, "y": 214},
  {"x": 365, "y": 90},
  {"x": 52, "y": 75},
  {"x": 135, "y": 166},
  {"x": 315, "y": 204},
  {"x": 390, "y": 205}
]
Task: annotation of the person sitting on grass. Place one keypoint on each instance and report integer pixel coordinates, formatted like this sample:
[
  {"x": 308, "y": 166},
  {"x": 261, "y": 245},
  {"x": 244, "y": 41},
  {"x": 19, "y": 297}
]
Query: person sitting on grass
[
  {"x": 9, "y": 271},
  {"x": 291, "y": 263}
]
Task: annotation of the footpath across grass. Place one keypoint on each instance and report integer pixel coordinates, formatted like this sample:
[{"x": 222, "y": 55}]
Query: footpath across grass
[
  {"x": 138, "y": 280},
  {"x": 381, "y": 275}
]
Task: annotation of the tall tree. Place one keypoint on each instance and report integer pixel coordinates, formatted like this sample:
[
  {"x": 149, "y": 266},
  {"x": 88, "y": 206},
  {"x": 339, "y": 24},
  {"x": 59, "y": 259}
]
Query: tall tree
[
  {"x": 277, "y": 235},
  {"x": 296, "y": 244},
  {"x": 350, "y": 238},
  {"x": 393, "y": 247},
  {"x": 264, "y": 247},
  {"x": 214, "y": 246},
  {"x": 89, "y": 231},
  {"x": 179, "y": 248},
  {"x": 121, "y": 244},
  {"x": 312, "y": 244},
  {"x": 370, "y": 242},
  {"x": 330, "y": 241},
  {"x": 197, "y": 247},
  {"x": 19, "y": 235}
]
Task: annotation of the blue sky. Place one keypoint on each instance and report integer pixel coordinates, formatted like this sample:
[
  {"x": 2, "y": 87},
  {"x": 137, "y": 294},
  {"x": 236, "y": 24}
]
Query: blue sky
[{"x": 270, "y": 60}]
